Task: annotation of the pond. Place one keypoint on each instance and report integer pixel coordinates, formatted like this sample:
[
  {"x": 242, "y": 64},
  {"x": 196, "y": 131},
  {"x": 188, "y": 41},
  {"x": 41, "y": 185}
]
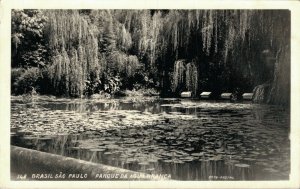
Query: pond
[{"x": 189, "y": 139}]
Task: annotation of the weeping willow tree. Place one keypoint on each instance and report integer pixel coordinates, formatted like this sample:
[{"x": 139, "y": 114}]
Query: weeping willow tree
[
  {"x": 132, "y": 65},
  {"x": 120, "y": 42},
  {"x": 210, "y": 37},
  {"x": 249, "y": 47},
  {"x": 143, "y": 31},
  {"x": 213, "y": 30},
  {"x": 157, "y": 22},
  {"x": 124, "y": 40},
  {"x": 75, "y": 52},
  {"x": 123, "y": 64},
  {"x": 185, "y": 76}
]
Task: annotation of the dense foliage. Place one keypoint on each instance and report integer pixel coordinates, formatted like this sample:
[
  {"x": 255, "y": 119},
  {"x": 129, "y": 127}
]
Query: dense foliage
[{"x": 82, "y": 52}]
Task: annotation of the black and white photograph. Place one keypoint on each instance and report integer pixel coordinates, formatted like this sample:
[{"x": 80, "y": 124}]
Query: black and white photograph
[{"x": 150, "y": 94}]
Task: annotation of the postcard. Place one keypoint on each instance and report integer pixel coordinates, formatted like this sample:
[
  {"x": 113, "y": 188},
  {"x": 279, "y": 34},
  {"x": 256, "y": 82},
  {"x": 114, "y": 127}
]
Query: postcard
[{"x": 140, "y": 94}]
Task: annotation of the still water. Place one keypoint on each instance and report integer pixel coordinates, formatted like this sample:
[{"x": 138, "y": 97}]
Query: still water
[{"x": 189, "y": 139}]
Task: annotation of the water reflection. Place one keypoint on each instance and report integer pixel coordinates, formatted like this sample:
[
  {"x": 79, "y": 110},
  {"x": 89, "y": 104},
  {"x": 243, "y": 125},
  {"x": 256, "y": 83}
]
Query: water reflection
[{"x": 188, "y": 139}]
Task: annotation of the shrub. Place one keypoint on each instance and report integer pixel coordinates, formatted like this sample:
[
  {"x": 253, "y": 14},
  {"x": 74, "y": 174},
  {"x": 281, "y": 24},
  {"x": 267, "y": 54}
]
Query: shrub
[
  {"x": 15, "y": 74},
  {"x": 112, "y": 84},
  {"x": 25, "y": 81}
]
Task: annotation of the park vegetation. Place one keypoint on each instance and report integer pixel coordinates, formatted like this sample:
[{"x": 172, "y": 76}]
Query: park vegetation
[{"x": 78, "y": 53}]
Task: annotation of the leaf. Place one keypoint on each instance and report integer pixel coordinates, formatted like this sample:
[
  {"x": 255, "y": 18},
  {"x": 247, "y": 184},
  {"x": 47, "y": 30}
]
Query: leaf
[
  {"x": 144, "y": 163},
  {"x": 107, "y": 153},
  {"x": 216, "y": 158},
  {"x": 242, "y": 165},
  {"x": 198, "y": 154}
]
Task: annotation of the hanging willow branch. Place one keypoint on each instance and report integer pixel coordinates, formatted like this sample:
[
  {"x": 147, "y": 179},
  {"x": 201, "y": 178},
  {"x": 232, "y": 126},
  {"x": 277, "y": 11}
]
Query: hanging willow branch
[
  {"x": 76, "y": 51},
  {"x": 191, "y": 76},
  {"x": 179, "y": 73}
]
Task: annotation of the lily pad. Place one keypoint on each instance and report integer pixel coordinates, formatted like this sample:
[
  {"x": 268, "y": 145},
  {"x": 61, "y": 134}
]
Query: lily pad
[
  {"x": 107, "y": 153},
  {"x": 143, "y": 163},
  {"x": 198, "y": 154},
  {"x": 167, "y": 161},
  {"x": 216, "y": 158},
  {"x": 242, "y": 165}
]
